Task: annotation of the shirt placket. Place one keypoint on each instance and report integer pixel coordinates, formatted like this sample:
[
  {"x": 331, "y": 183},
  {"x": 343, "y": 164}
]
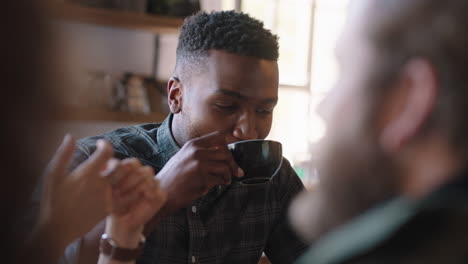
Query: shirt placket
[{"x": 197, "y": 232}]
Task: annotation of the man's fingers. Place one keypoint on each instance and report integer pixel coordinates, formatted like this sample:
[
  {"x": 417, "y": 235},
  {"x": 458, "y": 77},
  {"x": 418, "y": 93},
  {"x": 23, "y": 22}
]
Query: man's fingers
[
  {"x": 114, "y": 171},
  {"x": 217, "y": 175},
  {"x": 148, "y": 185},
  {"x": 98, "y": 160},
  {"x": 61, "y": 160},
  {"x": 210, "y": 140},
  {"x": 214, "y": 180},
  {"x": 142, "y": 184},
  {"x": 217, "y": 153},
  {"x": 159, "y": 198},
  {"x": 133, "y": 163},
  {"x": 221, "y": 170},
  {"x": 131, "y": 181},
  {"x": 235, "y": 169},
  {"x": 223, "y": 154},
  {"x": 123, "y": 203},
  {"x": 149, "y": 189}
]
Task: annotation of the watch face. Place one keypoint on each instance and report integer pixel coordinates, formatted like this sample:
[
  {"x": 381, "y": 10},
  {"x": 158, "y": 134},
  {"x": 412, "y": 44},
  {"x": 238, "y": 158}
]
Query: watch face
[{"x": 109, "y": 240}]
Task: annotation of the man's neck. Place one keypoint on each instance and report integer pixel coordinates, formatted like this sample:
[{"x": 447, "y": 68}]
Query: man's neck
[
  {"x": 178, "y": 130},
  {"x": 427, "y": 166}
]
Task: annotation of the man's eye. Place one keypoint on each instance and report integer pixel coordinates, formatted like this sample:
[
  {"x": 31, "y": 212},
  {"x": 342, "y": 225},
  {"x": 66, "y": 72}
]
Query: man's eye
[
  {"x": 226, "y": 107},
  {"x": 263, "y": 111}
]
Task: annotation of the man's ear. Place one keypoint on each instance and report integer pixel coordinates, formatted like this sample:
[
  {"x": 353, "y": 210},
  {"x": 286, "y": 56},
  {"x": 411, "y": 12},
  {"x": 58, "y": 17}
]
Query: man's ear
[
  {"x": 410, "y": 105},
  {"x": 174, "y": 95}
]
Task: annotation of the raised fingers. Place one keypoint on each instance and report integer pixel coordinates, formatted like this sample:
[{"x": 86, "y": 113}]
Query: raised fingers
[
  {"x": 138, "y": 183},
  {"x": 222, "y": 173},
  {"x": 223, "y": 153},
  {"x": 131, "y": 180},
  {"x": 98, "y": 160},
  {"x": 115, "y": 171},
  {"x": 222, "y": 157},
  {"x": 132, "y": 163},
  {"x": 59, "y": 163},
  {"x": 209, "y": 140}
]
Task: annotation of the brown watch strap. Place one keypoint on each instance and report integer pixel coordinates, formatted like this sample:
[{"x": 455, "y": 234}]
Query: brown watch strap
[{"x": 108, "y": 247}]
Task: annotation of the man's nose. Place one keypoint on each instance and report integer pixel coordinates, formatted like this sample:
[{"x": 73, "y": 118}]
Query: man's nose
[{"x": 246, "y": 127}]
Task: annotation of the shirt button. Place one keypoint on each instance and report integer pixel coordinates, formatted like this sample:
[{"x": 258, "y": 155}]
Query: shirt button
[
  {"x": 194, "y": 210},
  {"x": 194, "y": 259}
]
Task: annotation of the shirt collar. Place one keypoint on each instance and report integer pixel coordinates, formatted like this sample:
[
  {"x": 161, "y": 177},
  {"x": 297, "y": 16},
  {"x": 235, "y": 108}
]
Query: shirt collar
[
  {"x": 166, "y": 141},
  {"x": 454, "y": 193},
  {"x": 361, "y": 234},
  {"x": 376, "y": 225}
]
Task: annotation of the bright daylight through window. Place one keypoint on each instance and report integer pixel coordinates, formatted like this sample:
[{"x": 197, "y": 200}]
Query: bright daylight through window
[{"x": 307, "y": 30}]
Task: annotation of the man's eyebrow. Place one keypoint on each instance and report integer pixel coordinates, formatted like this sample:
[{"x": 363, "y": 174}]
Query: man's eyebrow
[
  {"x": 237, "y": 95},
  {"x": 230, "y": 93},
  {"x": 273, "y": 100}
]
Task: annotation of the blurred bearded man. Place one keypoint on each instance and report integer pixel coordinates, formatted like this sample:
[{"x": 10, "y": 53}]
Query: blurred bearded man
[{"x": 393, "y": 168}]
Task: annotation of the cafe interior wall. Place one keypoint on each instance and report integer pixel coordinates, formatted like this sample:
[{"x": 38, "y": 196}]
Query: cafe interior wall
[
  {"x": 111, "y": 50},
  {"x": 87, "y": 47}
]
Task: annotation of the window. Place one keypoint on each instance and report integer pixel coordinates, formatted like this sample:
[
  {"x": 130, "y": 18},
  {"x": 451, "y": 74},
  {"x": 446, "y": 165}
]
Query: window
[
  {"x": 291, "y": 20},
  {"x": 307, "y": 30}
]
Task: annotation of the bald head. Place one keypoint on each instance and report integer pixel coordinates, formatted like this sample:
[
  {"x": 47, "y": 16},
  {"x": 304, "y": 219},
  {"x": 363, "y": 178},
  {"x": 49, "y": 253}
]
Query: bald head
[{"x": 435, "y": 31}]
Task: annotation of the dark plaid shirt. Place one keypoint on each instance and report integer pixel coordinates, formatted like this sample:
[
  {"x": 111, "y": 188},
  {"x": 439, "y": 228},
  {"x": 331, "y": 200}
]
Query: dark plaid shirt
[{"x": 231, "y": 224}]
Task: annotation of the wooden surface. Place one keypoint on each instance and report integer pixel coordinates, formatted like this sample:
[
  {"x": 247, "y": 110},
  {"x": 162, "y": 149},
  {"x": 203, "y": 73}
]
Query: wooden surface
[
  {"x": 77, "y": 114},
  {"x": 114, "y": 18}
]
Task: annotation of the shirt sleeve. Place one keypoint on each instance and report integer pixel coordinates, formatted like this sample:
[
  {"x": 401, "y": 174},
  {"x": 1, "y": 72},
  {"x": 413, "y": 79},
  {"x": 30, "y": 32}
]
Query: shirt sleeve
[
  {"x": 84, "y": 149},
  {"x": 283, "y": 245}
]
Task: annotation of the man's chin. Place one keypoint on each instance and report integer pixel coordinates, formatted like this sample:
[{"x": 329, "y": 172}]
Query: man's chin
[
  {"x": 301, "y": 212},
  {"x": 311, "y": 216},
  {"x": 350, "y": 183}
]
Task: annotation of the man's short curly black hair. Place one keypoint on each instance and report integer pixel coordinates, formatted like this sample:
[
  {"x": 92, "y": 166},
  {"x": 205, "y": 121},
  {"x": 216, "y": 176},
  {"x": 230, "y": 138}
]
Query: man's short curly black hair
[{"x": 230, "y": 31}]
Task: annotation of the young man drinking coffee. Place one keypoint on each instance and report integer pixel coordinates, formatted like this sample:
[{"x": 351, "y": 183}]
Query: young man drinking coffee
[{"x": 223, "y": 90}]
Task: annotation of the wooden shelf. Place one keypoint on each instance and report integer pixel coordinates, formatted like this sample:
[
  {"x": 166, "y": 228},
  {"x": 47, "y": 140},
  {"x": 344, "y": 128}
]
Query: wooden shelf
[
  {"x": 114, "y": 18},
  {"x": 77, "y": 114}
]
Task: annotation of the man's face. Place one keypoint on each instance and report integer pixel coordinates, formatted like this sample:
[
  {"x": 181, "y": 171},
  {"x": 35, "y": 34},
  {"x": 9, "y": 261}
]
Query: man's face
[
  {"x": 234, "y": 94},
  {"x": 355, "y": 174}
]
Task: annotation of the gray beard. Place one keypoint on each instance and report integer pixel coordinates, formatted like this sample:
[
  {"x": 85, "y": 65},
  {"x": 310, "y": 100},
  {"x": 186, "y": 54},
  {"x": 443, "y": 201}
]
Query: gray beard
[{"x": 354, "y": 177}]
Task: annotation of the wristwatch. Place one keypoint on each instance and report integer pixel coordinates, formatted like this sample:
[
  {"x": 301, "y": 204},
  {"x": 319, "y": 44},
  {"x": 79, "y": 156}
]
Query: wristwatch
[{"x": 110, "y": 248}]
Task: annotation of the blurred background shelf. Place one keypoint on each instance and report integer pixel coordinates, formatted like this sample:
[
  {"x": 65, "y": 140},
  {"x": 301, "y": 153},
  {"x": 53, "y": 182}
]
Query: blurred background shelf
[
  {"x": 114, "y": 18},
  {"x": 78, "y": 114}
]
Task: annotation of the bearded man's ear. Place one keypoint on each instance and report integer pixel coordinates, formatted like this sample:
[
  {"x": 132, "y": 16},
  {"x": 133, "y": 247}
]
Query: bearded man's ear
[{"x": 409, "y": 105}]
